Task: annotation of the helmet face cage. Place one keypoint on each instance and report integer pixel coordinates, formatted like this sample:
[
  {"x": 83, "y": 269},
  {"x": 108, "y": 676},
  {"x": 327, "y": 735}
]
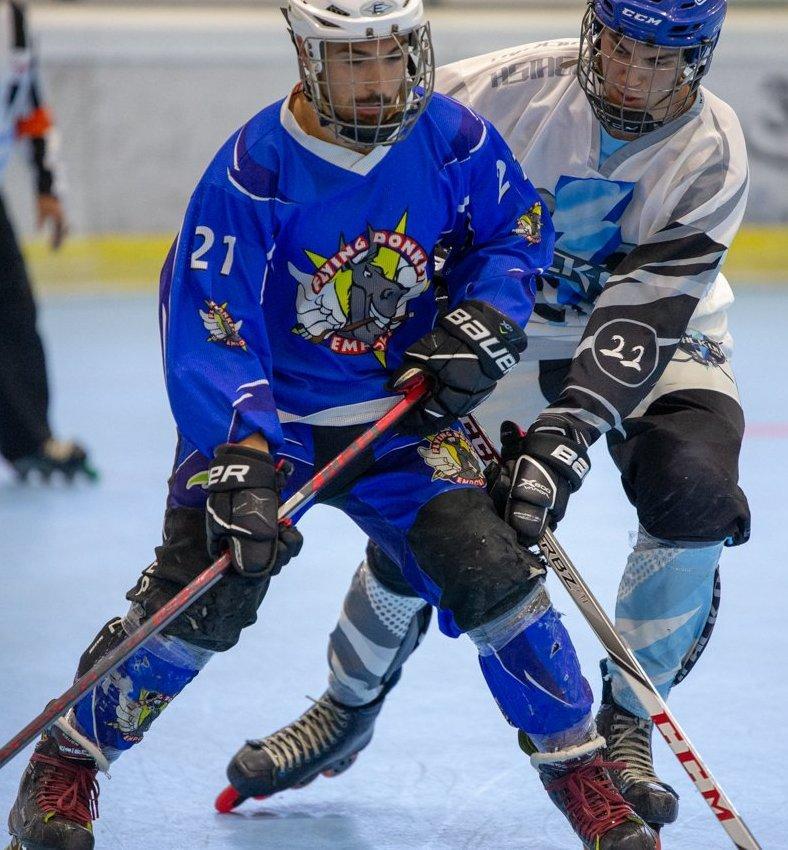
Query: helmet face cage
[
  {"x": 635, "y": 86},
  {"x": 372, "y": 91}
]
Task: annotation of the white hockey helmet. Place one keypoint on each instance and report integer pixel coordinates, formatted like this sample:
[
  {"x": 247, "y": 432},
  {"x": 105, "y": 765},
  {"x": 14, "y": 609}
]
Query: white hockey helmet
[{"x": 314, "y": 24}]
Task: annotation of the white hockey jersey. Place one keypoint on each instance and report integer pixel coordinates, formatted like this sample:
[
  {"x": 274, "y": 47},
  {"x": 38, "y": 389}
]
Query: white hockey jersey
[{"x": 640, "y": 238}]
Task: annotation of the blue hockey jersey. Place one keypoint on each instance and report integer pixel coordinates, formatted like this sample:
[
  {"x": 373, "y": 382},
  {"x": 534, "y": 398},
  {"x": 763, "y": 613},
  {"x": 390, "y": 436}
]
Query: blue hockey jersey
[{"x": 303, "y": 269}]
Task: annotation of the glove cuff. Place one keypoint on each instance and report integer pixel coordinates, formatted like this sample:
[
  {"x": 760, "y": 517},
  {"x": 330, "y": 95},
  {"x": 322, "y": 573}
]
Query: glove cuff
[
  {"x": 495, "y": 339},
  {"x": 564, "y": 424},
  {"x": 237, "y": 467}
]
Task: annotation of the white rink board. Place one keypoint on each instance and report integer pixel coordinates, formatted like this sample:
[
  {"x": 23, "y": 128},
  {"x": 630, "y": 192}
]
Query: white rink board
[{"x": 145, "y": 97}]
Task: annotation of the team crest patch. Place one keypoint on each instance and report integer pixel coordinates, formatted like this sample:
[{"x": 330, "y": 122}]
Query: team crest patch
[
  {"x": 221, "y": 326},
  {"x": 702, "y": 349},
  {"x": 452, "y": 458},
  {"x": 352, "y": 302},
  {"x": 529, "y": 225}
]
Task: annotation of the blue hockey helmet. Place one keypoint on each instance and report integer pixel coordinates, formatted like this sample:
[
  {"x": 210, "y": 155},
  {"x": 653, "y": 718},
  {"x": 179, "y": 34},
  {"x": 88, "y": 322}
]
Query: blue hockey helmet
[
  {"x": 641, "y": 61},
  {"x": 670, "y": 23}
]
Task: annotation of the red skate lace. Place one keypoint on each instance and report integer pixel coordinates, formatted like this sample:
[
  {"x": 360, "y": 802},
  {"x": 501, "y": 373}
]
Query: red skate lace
[
  {"x": 67, "y": 789},
  {"x": 592, "y": 803}
]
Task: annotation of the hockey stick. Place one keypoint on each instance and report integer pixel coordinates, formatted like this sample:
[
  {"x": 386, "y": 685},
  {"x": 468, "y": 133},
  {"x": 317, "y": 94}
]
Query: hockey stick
[
  {"x": 414, "y": 391},
  {"x": 636, "y": 676}
]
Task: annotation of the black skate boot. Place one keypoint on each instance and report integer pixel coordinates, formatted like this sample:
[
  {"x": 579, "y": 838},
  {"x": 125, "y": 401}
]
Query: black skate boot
[
  {"x": 57, "y": 802},
  {"x": 579, "y": 783},
  {"x": 65, "y": 458},
  {"x": 629, "y": 741},
  {"x": 325, "y": 739}
]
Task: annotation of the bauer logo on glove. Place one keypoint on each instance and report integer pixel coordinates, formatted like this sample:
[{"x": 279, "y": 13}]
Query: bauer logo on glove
[
  {"x": 491, "y": 345},
  {"x": 564, "y": 454},
  {"x": 466, "y": 354},
  {"x": 222, "y": 474}
]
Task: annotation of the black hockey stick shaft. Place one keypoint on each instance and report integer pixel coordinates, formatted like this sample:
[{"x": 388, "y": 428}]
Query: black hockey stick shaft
[
  {"x": 415, "y": 392},
  {"x": 619, "y": 651}
]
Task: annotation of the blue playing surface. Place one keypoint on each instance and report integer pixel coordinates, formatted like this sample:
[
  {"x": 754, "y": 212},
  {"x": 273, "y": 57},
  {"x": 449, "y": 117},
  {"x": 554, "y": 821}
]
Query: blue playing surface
[{"x": 444, "y": 770}]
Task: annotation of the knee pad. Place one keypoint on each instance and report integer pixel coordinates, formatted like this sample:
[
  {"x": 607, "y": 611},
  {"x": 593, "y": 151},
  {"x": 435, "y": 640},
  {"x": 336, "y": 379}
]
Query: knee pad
[
  {"x": 386, "y": 571},
  {"x": 532, "y": 670},
  {"x": 375, "y": 635},
  {"x": 685, "y": 487},
  {"x": 472, "y": 555},
  {"x": 214, "y": 622},
  {"x": 111, "y": 635}
]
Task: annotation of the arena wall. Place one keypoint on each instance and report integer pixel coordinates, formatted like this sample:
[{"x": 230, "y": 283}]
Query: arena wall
[{"x": 145, "y": 96}]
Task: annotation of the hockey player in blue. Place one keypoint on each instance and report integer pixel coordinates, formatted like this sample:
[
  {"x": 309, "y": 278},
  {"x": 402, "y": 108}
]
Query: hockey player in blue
[
  {"x": 629, "y": 340},
  {"x": 296, "y": 300}
]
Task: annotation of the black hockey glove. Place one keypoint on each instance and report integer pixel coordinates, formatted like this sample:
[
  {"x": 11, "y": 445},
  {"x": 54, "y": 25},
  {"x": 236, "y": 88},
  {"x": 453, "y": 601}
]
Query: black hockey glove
[
  {"x": 467, "y": 352},
  {"x": 538, "y": 472},
  {"x": 241, "y": 513}
]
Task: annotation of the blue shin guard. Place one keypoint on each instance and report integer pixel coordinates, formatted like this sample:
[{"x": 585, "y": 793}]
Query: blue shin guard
[
  {"x": 120, "y": 709},
  {"x": 663, "y": 605},
  {"x": 533, "y": 672}
]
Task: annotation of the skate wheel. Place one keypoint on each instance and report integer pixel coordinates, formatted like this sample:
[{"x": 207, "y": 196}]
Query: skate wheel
[
  {"x": 340, "y": 766},
  {"x": 228, "y": 800}
]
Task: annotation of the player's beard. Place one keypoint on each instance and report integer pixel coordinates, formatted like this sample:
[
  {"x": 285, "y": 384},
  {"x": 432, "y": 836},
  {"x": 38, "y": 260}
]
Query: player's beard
[{"x": 372, "y": 126}]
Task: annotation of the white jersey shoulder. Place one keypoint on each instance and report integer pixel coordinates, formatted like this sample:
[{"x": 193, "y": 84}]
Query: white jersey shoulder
[
  {"x": 710, "y": 173},
  {"x": 502, "y": 84},
  {"x": 531, "y": 94}
]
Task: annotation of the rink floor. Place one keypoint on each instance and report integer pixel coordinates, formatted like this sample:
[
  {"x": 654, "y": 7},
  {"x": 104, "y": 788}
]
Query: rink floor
[{"x": 444, "y": 771}]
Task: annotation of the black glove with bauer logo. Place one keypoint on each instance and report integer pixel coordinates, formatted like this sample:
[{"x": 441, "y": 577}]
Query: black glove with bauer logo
[
  {"x": 242, "y": 511},
  {"x": 538, "y": 472},
  {"x": 467, "y": 352}
]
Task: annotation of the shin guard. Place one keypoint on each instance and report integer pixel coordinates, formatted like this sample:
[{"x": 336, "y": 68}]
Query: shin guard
[
  {"x": 121, "y": 708},
  {"x": 664, "y": 604},
  {"x": 376, "y": 633},
  {"x": 533, "y": 672}
]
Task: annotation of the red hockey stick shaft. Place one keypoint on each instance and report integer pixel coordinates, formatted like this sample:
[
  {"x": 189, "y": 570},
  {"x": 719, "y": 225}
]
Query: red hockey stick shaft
[
  {"x": 618, "y": 649},
  {"x": 415, "y": 391}
]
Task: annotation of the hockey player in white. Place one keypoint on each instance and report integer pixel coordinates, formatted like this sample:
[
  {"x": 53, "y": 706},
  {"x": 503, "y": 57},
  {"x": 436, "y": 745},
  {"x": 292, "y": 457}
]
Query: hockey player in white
[{"x": 645, "y": 174}]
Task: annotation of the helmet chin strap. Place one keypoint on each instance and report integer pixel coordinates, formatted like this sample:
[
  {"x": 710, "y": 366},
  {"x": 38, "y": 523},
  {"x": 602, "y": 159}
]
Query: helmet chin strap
[
  {"x": 366, "y": 135},
  {"x": 631, "y": 120},
  {"x": 641, "y": 121},
  {"x": 358, "y": 134}
]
